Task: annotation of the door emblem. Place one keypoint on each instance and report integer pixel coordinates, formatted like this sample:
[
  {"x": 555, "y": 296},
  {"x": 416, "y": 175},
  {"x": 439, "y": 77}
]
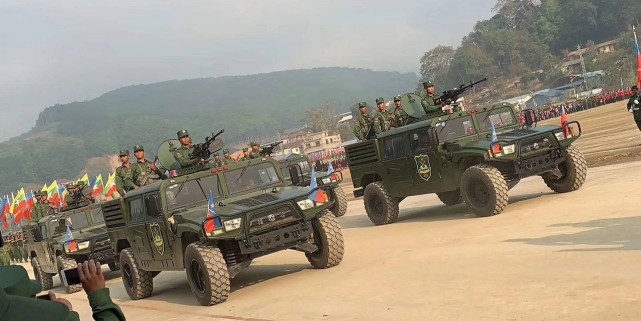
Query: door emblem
[
  {"x": 423, "y": 166},
  {"x": 156, "y": 234}
]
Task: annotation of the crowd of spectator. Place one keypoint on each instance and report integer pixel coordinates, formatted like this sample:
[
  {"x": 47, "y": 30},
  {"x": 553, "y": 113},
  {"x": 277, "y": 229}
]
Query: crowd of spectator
[{"x": 583, "y": 104}]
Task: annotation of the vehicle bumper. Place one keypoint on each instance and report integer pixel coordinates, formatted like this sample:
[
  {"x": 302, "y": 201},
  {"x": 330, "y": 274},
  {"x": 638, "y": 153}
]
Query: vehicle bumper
[
  {"x": 103, "y": 255},
  {"x": 539, "y": 164},
  {"x": 277, "y": 240}
]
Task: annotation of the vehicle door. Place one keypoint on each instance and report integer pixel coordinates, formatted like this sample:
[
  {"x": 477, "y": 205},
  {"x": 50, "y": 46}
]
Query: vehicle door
[
  {"x": 158, "y": 233},
  {"x": 423, "y": 161},
  {"x": 137, "y": 229},
  {"x": 396, "y": 174}
]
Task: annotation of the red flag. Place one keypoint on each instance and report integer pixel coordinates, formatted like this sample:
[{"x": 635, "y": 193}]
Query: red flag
[{"x": 564, "y": 122}]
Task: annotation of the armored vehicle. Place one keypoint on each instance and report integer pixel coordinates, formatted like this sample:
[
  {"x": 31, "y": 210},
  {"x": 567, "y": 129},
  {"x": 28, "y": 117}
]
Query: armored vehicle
[
  {"x": 52, "y": 250},
  {"x": 300, "y": 165},
  {"x": 212, "y": 222},
  {"x": 457, "y": 157}
]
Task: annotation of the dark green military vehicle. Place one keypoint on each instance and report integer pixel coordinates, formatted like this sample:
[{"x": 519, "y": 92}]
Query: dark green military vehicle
[
  {"x": 299, "y": 166},
  {"x": 455, "y": 157},
  {"x": 51, "y": 252},
  {"x": 166, "y": 226}
]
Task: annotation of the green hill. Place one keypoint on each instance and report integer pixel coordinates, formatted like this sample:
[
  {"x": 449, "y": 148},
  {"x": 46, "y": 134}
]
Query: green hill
[{"x": 67, "y": 136}]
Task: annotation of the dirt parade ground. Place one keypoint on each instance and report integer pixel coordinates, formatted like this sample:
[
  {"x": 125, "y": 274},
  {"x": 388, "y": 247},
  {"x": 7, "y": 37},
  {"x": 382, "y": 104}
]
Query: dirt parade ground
[{"x": 548, "y": 256}]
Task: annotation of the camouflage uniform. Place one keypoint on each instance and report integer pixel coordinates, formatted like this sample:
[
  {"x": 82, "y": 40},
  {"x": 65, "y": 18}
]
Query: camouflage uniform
[
  {"x": 227, "y": 160},
  {"x": 244, "y": 158},
  {"x": 124, "y": 177},
  {"x": 382, "y": 120},
  {"x": 253, "y": 153},
  {"x": 5, "y": 259},
  {"x": 40, "y": 209},
  {"x": 635, "y": 108},
  {"x": 362, "y": 124},
  {"x": 400, "y": 116},
  {"x": 183, "y": 154},
  {"x": 429, "y": 101}
]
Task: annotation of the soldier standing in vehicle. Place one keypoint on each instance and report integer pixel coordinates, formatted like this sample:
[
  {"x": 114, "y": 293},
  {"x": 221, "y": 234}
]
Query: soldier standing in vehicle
[
  {"x": 363, "y": 124},
  {"x": 125, "y": 174},
  {"x": 429, "y": 102},
  {"x": 183, "y": 154},
  {"x": 399, "y": 116},
  {"x": 382, "y": 120},
  {"x": 217, "y": 161},
  {"x": 245, "y": 155},
  {"x": 144, "y": 171},
  {"x": 42, "y": 207},
  {"x": 634, "y": 105},
  {"x": 228, "y": 160},
  {"x": 255, "y": 152}
]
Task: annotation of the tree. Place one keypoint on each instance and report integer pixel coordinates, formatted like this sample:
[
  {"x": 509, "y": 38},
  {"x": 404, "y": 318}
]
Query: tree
[
  {"x": 323, "y": 117},
  {"x": 436, "y": 62}
]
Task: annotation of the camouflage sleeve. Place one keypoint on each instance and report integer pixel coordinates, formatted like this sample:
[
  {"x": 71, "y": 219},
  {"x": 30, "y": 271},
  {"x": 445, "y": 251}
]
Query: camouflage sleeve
[
  {"x": 120, "y": 184},
  {"x": 129, "y": 183},
  {"x": 378, "y": 125},
  {"x": 357, "y": 131},
  {"x": 136, "y": 171},
  {"x": 183, "y": 160},
  {"x": 103, "y": 308}
]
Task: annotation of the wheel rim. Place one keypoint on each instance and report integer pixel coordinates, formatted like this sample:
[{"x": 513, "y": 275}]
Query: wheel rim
[
  {"x": 478, "y": 193},
  {"x": 197, "y": 275},
  {"x": 128, "y": 276}
]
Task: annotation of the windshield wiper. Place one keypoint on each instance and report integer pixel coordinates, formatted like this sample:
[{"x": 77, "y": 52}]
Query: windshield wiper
[
  {"x": 181, "y": 186},
  {"x": 242, "y": 172}
]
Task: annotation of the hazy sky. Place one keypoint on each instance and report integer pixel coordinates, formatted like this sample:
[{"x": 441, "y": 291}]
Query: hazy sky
[{"x": 62, "y": 51}]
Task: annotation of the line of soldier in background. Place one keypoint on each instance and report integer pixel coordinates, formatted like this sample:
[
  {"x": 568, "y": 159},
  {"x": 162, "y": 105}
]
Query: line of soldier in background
[{"x": 14, "y": 249}]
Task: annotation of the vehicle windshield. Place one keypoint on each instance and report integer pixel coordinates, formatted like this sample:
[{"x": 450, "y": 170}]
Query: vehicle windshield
[
  {"x": 500, "y": 117},
  {"x": 192, "y": 191},
  {"x": 254, "y": 176},
  {"x": 96, "y": 217},
  {"x": 455, "y": 128},
  {"x": 304, "y": 166},
  {"x": 75, "y": 222}
]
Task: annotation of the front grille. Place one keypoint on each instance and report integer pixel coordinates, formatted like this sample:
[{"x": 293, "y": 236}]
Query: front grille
[
  {"x": 256, "y": 200},
  {"x": 517, "y": 133},
  {"x": 539, "y": 145},
  {"x": 102, "y": 242},
  {"x": 264, "y": 221},
  {"x": 112, "y": 213}
]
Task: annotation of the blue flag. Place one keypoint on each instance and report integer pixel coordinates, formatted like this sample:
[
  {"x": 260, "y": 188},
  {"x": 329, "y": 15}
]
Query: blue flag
[
  {"x": 330, "y": 168},
  {"x": 494, "y": 138},
  {"x": 70, "y": 244},
  {"x": 213, "y": 220}
]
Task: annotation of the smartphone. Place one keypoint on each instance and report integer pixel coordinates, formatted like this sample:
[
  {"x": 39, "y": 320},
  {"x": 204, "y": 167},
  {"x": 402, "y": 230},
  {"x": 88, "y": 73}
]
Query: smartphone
[
  {"x": 70, "y": 277},
  {"x": 43, "y": 297}
]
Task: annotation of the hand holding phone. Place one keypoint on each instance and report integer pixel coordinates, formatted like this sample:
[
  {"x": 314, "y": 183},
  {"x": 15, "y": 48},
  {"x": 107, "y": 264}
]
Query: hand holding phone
[
  {"x": 70, "y": 277},
  {"x": 91, "y": 276}
]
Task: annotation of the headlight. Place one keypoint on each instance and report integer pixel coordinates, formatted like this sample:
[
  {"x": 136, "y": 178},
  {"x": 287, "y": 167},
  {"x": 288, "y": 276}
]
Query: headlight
[
  {"x": 83, "y": 245},
  {"x": 232, "y": 224},
  {"x": 305, "y": 204},
  {"x": 561, "y": 135},
  {"x": 509, "y": 149},
  {"x": 327, "y": 180}
]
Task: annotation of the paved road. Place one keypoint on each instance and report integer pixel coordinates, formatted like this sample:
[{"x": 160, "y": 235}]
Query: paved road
[{"x": 547, "y": 257}]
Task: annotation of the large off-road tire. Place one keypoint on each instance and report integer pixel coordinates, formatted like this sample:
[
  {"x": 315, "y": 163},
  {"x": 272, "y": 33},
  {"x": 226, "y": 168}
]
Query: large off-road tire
[
  {"x": 328, "y": 237},
  {"x": 113, "y": 266},
  {"x": 451, "y": 198},
  {"x": 484, "y": 190},
  {"x": 574, "y": 171},
  {"x": 67, "y": 263},
  {"x": 340, "y": 202},
  {"x": 207, "y": 273},
  {"x": 138, "y": 283},
  {"x": 45, "y": 279},
  {"x": 380, "y": 206}
]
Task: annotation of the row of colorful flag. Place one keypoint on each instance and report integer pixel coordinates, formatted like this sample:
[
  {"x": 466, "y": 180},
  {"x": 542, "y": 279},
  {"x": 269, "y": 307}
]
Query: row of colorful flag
[{"x": 18, "y": 207}]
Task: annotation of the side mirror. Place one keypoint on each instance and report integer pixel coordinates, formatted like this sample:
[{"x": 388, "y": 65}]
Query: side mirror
[
  {"x": 530, "y": 117},
  {"x": 452, "y": 147},
  {"x": 433, "y": 136},
  {"x": 295, "y": 172}
]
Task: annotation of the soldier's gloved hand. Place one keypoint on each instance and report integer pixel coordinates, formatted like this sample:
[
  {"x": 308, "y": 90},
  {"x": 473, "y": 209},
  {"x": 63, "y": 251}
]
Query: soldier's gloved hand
[
  {"x": 153, "y": 167},
  {"x": 91, "y": 276}
]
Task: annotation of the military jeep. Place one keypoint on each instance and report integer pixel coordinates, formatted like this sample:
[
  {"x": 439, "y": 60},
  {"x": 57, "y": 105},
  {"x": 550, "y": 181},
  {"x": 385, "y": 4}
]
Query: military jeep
[
  {"x": 167, "y": 226},
  {"x": 455, "y": 156},
  {"x": 51, "y": 252},
  {"x": 298, "y": 168}
]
